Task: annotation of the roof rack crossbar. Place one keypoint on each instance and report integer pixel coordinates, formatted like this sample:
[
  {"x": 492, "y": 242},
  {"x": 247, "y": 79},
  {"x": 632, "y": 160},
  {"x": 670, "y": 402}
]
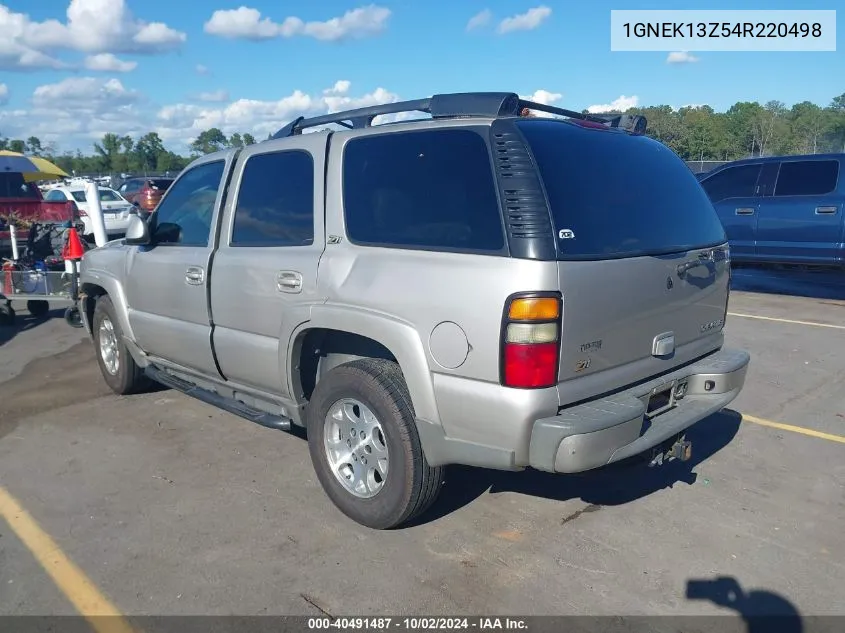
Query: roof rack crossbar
[{"x": 456, "y": 105}]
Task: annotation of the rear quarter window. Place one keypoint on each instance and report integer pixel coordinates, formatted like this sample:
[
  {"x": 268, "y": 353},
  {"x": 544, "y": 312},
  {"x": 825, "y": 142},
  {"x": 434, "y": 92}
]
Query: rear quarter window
[
  {"x": 614, "y": 195},
  {"x": 422, "y": 189}
]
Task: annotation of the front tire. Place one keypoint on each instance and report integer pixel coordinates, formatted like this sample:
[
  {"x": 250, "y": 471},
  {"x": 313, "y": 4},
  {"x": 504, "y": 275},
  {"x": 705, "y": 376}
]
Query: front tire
[
  {"x": 119, "y": 369},
  {"x": 365, "y": 448}
]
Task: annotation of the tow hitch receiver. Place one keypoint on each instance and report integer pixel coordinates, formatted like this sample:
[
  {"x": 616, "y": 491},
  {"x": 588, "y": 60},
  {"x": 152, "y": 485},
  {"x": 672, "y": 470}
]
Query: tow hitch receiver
[{"x": 676, "y": 448}]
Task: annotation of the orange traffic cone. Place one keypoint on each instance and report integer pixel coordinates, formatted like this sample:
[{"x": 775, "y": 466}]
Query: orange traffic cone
[{"x": 73, "y": 250}]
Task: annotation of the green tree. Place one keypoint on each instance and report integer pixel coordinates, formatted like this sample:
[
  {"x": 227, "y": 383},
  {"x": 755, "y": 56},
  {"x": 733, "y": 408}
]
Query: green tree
[
  {"x": 236, "y": 140},
  {"x": 18, "y": 146},
  {"x": 147, "y": 151},
  {"x": 249, "y": 139},
  {"x": 33, "y": 144},
  {"x": 209, "y": 141}
]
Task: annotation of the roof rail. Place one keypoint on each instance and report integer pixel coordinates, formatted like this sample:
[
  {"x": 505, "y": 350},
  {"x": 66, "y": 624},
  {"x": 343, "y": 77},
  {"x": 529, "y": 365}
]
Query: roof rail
[{"x": 454, "y": 106}]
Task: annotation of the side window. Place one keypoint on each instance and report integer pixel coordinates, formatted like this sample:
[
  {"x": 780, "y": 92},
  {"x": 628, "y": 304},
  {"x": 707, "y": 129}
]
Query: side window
[
  {"x": 54, "y": 195},
  {"x": 807, "y": 177},
  {"x": 275, "y": 204},
  {"x": 430, "y": 189},
  {"x": 733, "y": 182},
  {"x": 184, "y": 216}
]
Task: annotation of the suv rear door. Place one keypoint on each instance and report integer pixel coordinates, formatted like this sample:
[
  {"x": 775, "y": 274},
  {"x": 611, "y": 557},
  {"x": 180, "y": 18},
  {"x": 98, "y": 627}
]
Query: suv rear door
[
  {"x": 642, "y": 258},
  {"x": 801, "y": 222},
  {"x": 265, "y": 270}
]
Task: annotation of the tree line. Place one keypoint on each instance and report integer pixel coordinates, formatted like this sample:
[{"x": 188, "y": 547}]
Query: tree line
[
  {"x": 115, "y": 154},
  {"x": 746, "y": 129}
]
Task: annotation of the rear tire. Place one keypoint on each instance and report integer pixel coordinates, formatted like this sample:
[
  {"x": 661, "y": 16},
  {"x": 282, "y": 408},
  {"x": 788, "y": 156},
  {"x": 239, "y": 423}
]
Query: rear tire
[
  {"x": 7, "y": 315},
  {"x": 370, "y": 394},
  {"x": 119, "y": 369}
]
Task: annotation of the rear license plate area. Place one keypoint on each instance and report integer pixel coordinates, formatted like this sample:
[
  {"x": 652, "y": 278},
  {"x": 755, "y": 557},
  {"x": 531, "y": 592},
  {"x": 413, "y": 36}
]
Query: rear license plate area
[{"x": 659, "y": 402}]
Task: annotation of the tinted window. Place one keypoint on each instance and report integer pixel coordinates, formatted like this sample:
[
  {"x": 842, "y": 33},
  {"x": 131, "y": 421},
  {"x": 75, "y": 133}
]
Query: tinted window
[
  {"x": 426, "y": 189},
  {"x": 54, "y": 195},
  {"x": 733, "y": 182},
  {"x": 12, "y": 185},
  {"x": 275, "y": 201},
  {"x": 184, "y": 216},
  {"x": 130, "y": 187},
  {"x": 807, "y": 177},
  {"x": 160, "y": 183},
  {"x": 619, "y": 195},
  {"x": 106, "y": 195}
]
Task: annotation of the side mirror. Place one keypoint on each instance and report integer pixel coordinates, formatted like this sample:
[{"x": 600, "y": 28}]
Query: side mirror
[{"x": 138, "y": 231}]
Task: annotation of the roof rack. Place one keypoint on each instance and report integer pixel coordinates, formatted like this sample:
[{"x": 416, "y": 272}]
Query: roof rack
[{"x": 458, "y": 105}]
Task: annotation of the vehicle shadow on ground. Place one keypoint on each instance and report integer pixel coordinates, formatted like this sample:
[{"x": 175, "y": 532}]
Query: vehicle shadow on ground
[
  {"x": 612, "y": 485},
  {"x": 25, "y": 321},
  {"x": 821, "y": 284},
  {"x": 762, "y": 611}
]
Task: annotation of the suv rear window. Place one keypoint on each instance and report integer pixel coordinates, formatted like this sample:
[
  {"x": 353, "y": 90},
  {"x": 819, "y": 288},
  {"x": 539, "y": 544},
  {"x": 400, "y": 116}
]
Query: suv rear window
[
  {"x": 615, "y": 195},
  {"x": 160, "y": 183},
  {"x": 427, "y": 190}
]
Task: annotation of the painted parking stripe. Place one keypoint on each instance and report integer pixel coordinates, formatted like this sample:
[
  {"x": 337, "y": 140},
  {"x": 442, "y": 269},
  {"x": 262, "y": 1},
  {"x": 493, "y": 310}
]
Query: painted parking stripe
[
  {"x": 71, "y": 581},
  {"x": 794, "y": 429},
  {"x": 793, "y": 321}
]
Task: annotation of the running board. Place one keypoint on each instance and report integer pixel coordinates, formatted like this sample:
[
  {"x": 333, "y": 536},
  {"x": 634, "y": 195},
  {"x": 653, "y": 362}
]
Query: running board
[{"x": 215, "y": 399}]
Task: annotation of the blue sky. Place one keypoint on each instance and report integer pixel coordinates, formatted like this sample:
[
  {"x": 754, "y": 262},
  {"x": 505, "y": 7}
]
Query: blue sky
[{"x": 190, "y": 71}]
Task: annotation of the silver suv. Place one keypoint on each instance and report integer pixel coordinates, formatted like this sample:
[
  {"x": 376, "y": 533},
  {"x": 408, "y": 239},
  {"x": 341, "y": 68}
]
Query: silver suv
[{"x": 475, "y": 287}]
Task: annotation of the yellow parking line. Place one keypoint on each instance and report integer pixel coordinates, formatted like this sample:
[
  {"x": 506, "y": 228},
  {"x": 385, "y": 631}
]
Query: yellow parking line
[
  {"x": 795, "y": 429},
  {"x": 70, "y": 580},
  {"x": 765, "y": 318}
]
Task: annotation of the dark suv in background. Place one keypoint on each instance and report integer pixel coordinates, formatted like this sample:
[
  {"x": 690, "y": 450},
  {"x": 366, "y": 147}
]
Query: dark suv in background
[{"x": 145, "y": 193}]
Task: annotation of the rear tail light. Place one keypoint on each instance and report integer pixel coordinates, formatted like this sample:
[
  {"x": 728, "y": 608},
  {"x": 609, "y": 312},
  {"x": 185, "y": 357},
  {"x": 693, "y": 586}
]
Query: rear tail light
[{"x": 531, "y": 341}]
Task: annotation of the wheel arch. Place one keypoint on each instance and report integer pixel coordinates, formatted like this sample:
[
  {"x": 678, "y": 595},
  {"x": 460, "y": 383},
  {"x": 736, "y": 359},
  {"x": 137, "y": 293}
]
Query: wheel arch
[
  {"x": 94, "y": 285},
  {"x": 351, "y": 334}
]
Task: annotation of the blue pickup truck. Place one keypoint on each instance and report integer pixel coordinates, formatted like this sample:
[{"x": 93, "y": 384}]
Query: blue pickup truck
[{"x": 782, "y": 209}]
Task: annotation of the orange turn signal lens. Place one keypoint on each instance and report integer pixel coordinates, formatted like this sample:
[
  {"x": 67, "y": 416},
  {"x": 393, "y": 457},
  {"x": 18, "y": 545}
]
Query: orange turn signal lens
[{"x": 535, "y": 309}]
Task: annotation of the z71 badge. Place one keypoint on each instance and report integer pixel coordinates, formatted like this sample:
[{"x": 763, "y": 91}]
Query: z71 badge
[{"x": 582, "y": 364}]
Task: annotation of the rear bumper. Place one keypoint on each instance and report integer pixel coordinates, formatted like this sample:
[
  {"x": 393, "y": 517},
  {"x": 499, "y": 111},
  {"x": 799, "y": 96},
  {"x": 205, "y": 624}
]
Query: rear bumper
[{"x": 609, "y": 429}]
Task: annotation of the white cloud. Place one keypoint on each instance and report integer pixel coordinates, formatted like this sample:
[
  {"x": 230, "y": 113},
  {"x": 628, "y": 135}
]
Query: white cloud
[
  {"x": 180, "y": 123},
  {"x": 106, "y": 62},
  {"x": 92, "y": 26},
  {"x": 617, "y": 105},
  {"x": 216, "y": 96},
  {"x": 681, "y": 57},
  {"x": 479, "y": 19},
  {"x": 87, "y": 93},
  {"x": 247, "y": 23},
  {"x": 74, "y": 112},
  {"x": 543, "y": 96},
  {"x": 4, "y": 94},
  {"x": 527, "y": 21},
  {"x": 340, "y": 87},
  {"x": 202, "y": 70}
]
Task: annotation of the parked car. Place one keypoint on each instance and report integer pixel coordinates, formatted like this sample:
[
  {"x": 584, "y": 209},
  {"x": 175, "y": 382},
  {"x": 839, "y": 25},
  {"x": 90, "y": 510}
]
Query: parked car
[
  {"x": 782, "y": 209},
  {"x": 23, "y": 202},
  {"x": 478, "y": 288},
  {"x": 145, "y": 193},
  {"x": 116, "y": 209}
]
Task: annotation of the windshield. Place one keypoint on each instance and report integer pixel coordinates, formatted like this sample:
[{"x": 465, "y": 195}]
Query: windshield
[
  {"x": 106, "y": 195},
  {"x": 615, "y": 195}
]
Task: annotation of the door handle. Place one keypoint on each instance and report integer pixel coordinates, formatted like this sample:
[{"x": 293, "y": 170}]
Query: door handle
[
  {"x": 194, "y": 275},
  {"x": 826, "y": 210},
  {"x": 289, "y": 281},
  {"x": 745, "y": 211}
]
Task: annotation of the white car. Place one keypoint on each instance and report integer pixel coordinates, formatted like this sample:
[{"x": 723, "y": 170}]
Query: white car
[{"x": 116, "y": 209}]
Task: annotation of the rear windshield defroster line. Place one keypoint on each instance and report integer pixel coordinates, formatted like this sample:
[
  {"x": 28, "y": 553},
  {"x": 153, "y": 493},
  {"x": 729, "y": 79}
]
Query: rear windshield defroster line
[{"x": 613, "y": 195}]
